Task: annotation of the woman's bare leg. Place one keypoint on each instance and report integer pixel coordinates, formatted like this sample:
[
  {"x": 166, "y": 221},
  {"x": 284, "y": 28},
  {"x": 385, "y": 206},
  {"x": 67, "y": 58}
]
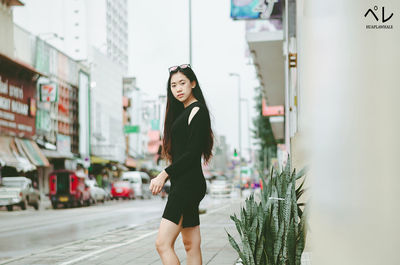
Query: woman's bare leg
[
  {"x": 167, "y": 234},
  {"x": 192, "y": 240}
]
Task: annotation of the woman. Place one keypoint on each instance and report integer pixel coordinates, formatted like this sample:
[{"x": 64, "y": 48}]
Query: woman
[{"x": 187, "y": 137}]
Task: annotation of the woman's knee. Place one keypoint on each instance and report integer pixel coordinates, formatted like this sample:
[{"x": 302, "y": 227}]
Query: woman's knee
[
  {"x": 191, "y": 244},
  {"x": 162, "y": 245}
]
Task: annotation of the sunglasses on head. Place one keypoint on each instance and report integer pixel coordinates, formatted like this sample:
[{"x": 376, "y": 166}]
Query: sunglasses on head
[{"x": 176, "y": 67}]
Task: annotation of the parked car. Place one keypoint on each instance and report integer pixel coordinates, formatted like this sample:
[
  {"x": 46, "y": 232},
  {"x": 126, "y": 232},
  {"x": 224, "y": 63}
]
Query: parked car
[
  {"x": 221, "y": 185},
  {"x": 96, "y": 192},
  {"x": 68, "y": 188},
  {"x": 18, "y": 191},
  {"x": 140, "y": 182},
  {"x": 122, "y": 189}
]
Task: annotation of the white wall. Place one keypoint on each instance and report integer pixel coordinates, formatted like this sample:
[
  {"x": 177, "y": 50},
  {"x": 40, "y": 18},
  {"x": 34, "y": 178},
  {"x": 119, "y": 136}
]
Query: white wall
[
  {"x": 6, "y": 30},
  {"x": 350, "y": 88}
]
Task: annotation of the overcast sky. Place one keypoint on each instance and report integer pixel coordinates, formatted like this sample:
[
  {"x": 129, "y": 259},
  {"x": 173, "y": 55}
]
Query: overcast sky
[
  {"x": 159, "y": 33},
  {"x": 159, "y": 38}
]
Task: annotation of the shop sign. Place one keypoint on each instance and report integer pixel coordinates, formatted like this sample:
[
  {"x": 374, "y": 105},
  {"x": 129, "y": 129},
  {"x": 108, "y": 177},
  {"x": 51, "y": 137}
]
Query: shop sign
[
  {"x": 48, "y": 92},
  {"x": 131, "y": 129},
  {"x": 17, "y": 106},
  {"x": 32, "y": 107},
  {"x": 256, "y": 9},
  {"x": 43, "y": 120},
  {"x": 269, "y": 111}
]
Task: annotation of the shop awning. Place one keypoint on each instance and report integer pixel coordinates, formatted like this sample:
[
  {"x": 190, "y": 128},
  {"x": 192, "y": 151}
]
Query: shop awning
[
  {"x": 33, "y": 152},
  {"x": 14, "y": 3},
  {"x": 267, "y": 51},
  {"x": 9, "y": 155},
  {"x": 98, "y": 160},
  {"x": 19, "y": 63},
  {"x": 55, "y": 154}
]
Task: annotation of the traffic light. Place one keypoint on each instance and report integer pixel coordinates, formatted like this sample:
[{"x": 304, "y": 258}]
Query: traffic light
[{"x": 235, "y": 152}]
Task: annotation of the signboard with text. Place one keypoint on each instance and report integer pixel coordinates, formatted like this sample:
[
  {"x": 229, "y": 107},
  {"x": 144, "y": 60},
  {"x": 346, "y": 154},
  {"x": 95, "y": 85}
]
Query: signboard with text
[{"x": 17, "y": 106}]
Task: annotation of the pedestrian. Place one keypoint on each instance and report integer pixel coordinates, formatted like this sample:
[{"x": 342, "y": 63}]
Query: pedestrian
[{"x": 187, "y": 138}]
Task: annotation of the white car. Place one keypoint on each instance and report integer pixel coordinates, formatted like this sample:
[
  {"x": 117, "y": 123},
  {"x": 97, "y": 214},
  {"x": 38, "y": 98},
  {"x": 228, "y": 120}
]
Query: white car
[
  {"x": 96, "y": 192},
  {"x": 140, "y": 183},
  {"x": 221, "y": 185},
  {"x": 18, "y": 191}
]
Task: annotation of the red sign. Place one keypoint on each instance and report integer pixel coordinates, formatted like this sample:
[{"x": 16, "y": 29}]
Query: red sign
[
  {"x": 17, "y": 106},
  {"x": 272, "y": 110}
]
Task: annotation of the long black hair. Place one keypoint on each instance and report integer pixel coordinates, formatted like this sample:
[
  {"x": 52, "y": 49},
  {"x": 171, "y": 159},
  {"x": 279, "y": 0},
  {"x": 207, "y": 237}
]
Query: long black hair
[{"x": 175, "y": 107}]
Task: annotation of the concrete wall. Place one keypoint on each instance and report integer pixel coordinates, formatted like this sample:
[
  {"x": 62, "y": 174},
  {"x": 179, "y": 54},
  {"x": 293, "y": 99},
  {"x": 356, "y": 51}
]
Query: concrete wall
[
  {"x": 350, "y": 84},
  {"x": 6, "y": 30},
  {"x": 25, "y": 45}
]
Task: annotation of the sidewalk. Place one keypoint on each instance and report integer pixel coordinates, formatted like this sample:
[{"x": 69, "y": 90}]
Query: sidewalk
[{"x": 136, "y": 245}]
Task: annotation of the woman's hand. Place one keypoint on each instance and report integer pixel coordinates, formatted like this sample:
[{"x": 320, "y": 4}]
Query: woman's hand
[{"x": 158, "y": 182}]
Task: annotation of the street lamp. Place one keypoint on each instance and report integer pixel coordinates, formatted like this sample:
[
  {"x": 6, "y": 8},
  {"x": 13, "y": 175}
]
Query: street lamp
[
  {"x": 240, "y": 137},
  {"x": 248, "y": 125},
  {"x": 190, "y": 33}
]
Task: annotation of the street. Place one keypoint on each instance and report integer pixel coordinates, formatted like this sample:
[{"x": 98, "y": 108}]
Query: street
[
  {"x": 25, "y": 232},
  {"x": 22, "y": 232}
]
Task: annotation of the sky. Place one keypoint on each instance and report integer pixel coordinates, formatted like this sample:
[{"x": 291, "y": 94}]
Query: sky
[{"x": 159, "y": 38}]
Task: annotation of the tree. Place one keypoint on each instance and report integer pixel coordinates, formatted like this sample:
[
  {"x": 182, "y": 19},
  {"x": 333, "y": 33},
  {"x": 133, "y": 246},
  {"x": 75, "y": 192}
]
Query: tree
[{"x": 263, "y": 132}]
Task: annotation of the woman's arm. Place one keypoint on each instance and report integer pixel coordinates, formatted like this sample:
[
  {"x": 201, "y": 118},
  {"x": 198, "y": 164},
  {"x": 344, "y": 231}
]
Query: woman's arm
[{"x": 194, "y": 147}]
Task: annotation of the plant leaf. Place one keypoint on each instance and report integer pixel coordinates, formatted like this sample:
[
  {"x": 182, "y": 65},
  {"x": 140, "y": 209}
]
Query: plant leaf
[{"x": 235, "y": 246}]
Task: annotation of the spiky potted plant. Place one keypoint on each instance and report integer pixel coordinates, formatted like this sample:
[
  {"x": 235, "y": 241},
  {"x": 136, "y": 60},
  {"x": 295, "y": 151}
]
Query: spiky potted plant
[{"x": 273, "y": 230}]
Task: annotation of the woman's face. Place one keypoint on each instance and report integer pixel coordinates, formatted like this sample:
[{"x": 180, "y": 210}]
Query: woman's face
[{"x": 181, "y": 87}]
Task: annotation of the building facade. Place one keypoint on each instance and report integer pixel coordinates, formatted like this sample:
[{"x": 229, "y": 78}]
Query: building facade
[
  {"x": 19, "y": 153},
  {"x": 78, "y": 25}
]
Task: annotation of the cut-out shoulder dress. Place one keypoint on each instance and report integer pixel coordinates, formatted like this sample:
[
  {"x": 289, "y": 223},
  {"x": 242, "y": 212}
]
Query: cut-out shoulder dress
[{"x": 188, "y": 186}]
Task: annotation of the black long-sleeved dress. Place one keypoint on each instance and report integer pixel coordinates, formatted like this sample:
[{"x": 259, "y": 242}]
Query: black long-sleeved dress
[{"x": 188, "y": 186}]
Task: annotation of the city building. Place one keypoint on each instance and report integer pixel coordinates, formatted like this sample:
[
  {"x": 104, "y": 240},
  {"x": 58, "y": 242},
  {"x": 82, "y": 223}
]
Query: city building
[
  {"x": 107, "y": 137},
  {"x": 76, "y": 26},
  {"x": 62, "y": 102},
  {"x": 94, "y": 33},
  {"x": 272, "y": 42},
  {"x": 19, "y": 153}
]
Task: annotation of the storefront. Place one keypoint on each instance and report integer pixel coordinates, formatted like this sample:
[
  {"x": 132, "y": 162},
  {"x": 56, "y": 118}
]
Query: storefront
[{"x": 19, "y": 154}]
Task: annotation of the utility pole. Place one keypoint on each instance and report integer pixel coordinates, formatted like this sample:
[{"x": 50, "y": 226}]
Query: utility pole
[
  {"x": 190, "y": 32},
  {"x": 248, "y": 126},
  {"x": 240, "y": 134}
]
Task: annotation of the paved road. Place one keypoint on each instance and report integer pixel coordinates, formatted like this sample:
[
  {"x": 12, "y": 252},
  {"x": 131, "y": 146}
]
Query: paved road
[
  {"x": 25, "y": 232},
  {"x": 136, "y": 245}
]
